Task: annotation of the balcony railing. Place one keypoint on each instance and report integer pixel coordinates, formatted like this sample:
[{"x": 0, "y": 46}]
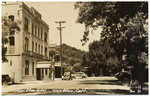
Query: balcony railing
[{"x": 33, "y": 54}]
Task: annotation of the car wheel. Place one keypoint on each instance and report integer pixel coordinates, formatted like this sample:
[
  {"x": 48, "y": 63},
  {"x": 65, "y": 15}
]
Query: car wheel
[{"x": 5, "y": 83}]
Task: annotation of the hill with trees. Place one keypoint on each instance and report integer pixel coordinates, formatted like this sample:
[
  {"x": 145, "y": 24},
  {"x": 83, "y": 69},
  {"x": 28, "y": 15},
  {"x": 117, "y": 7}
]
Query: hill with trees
[{"x": 71, "y": 55}]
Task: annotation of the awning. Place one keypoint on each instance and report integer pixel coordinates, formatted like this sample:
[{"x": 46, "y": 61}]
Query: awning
[
  {"x": 44, "y": 64},
  {"x": 58, "y": 64}
]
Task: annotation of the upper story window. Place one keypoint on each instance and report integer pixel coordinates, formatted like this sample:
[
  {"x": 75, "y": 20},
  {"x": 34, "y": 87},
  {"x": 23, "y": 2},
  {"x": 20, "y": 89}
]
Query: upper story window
[
  {"x": 45, "y": 37},
  {"x": 38, "y": 32},
  {"x": 41, "y": 34},
  {"x": 11, "y": 17},
  {"x": 32, "y": 46},
  {"x": 26, "y": 24},
  {"x": 57, "y": 58},
  {"x": 26, "y": 43},
  {"x": 12, "y": 40},
  {"x": 46, "y": 51},
  {"x": 36, "y": 47},
  {"x": 32, "y": 29},
  {"x": 39, "y": 48},
  {"x": 35, "y": 30},
  {"x": 42, "y": 50}
]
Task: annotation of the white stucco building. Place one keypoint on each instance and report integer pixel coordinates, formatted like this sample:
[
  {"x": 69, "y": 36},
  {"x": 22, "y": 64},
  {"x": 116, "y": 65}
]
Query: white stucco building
[{"x": 27, "y": 47}]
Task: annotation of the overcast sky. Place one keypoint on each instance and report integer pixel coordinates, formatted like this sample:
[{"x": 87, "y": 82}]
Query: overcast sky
[{"x": 63, "y": 11}]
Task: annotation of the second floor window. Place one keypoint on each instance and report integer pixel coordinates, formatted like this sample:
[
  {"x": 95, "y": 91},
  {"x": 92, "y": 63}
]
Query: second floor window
[
  {"x": 42, "y": 50},
  {"x": 32, "y": 29},
  {"x": 46, "y": 51},
  {"x": 35, "y": 31},
  {"x": 12, "y": 40},
  {"x": 26, "y": 24},
  {"x": 45, "y": 37},
  {"x": 41, "y": 35},
  {"x": 57, "y": 58},
  {"x": 32, "y": 46},
  {"x": 36, "y": 47},
  {"x": 26, "y": 43},
  {"x": 39, "y": 49}
]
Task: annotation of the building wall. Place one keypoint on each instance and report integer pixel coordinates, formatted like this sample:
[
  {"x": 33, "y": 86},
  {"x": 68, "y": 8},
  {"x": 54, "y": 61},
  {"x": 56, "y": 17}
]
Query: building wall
[
  {"x": 13, "y": 67},
  {"x": 22, "y": 49}
]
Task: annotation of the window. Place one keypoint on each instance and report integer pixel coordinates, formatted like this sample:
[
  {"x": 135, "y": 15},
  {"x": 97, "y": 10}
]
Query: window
[
  {"x": 57, "y": 58},
  {"x": 32, "y": 46},
  {"x": 35, "y": 31},
  {"x": 45, "y": 37},
  {"x": 32, "y": 68},
  {"x": 26, "y": 24},
  {"x": 39, "y": 49},
  {"x": 41, "y": 35},
  {"x": 10, "y": 63},
  {"x": 45, "y": 71},
  {"x": 26, "y": 67},
  {"x": 32, "y": 29},
  {"x": 36, "y": 47},
  {"x": 42, "y": 50},
  {"x": 11, "y": 17},
  {"x": 12, "y": 40},
  {"x": 26, "y": 43},
  {"x": 45, "y": 51}
]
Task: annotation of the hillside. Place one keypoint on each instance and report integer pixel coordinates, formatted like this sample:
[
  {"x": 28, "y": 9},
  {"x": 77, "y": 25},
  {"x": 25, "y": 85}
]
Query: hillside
[{"x": 71, "y": 55}]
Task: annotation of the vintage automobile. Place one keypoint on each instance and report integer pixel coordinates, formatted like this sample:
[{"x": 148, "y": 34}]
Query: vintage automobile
[
  {"x": 67, "y": 76},
  {"x": 123, "y": 75},
  {"x": 6, "y": 79},
  {"x": 79, "y": 75}
]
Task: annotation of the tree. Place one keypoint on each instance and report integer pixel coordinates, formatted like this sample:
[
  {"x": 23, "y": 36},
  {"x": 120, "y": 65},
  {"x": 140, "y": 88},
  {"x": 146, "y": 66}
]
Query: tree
[
  {"x": 78, "y": 67},
  {"x": 7, "y": 27},
  {"x": 124, "y": 27},
  {"x": 101, "y": 58}
]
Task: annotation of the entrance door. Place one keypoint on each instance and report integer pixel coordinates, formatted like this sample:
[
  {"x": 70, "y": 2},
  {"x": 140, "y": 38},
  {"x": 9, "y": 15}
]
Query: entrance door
[
  {"x": 38, "y": 74},
  {"x": 42, "y": 73},
  {"x": 57, "y": 72}
]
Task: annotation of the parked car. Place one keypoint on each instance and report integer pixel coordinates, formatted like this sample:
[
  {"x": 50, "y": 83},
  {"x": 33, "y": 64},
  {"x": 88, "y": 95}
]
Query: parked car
[
  {"x": 123, "y": 75},
  {"x": 79, "y": 75},
  {"x": 135, "y": 87},
  {"x": 67, "y": 76},
  {"x": 6, "y": 79}
]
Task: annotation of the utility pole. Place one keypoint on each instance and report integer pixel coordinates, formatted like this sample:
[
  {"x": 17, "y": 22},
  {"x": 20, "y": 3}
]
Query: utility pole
[{"x": 60, "y": 29}]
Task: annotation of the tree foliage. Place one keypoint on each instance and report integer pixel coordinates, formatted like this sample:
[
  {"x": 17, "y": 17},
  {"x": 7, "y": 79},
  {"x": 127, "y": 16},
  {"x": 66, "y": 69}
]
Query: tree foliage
[
  {"x": 7, "y": 27},
  {"x": 124, "y": 27},
  {"x": 71, "y": 55}
]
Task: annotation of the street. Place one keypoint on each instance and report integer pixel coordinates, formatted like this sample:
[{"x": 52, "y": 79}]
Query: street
[{"x": 87, "y": 86}]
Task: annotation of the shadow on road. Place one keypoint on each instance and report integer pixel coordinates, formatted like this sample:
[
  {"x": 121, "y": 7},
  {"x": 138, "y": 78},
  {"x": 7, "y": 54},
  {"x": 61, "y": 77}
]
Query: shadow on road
[{"x": 105, "y": 82}]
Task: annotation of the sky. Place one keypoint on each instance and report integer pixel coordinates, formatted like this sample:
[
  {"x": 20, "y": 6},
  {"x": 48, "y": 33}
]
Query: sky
[{"x": 63, "y": 11}]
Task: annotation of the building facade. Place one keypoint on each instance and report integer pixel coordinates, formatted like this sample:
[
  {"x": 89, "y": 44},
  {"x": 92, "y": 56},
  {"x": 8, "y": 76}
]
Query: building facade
[{"x": 27, "y": 47}]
